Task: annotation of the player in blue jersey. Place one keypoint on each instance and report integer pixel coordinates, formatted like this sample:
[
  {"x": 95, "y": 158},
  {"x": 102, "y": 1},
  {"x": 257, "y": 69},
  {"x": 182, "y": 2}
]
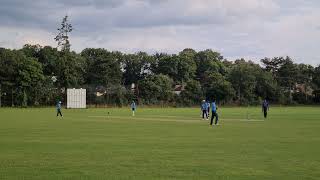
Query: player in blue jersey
[
  {"x": 58, "y": 106},
  {"x": 208, "y": 109},
  {"x": 204, "y": 109},
  {"x": 214, "y": 113},
  {"x": 265, "y": 108},
  {"x": 133, "y": 107}
]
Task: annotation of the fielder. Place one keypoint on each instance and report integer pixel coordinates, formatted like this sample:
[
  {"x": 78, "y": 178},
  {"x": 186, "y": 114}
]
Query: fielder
[
  {"x": 214, "y": 113},
  {"x": 204, "y": 109},
  {"x": 208, "y": 110},
  {"x": 265, "y": 108},
  {"x": 133, "y": 107},
  {"x": 58, "y": 106}
]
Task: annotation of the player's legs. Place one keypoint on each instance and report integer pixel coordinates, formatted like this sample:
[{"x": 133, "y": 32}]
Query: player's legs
[
  {"x": 207, "y": 115},
  {"x": 203, "y": 113},
  {"x": 133, "y": 111},
  {"x": 265, "y": 112},
  {"x": 212, "y": 117},
  {"x": 217, "y": 118},
  {"x": 59, "y": 112}
]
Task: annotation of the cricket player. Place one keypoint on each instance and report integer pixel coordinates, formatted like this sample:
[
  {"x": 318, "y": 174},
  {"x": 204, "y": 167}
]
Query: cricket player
[
  {"x": 265, "y": 108},
  {"x": 208, "y": 110},
  {"x": 133, "y": 107},
  {"x": 214, "y": 113},
  {"x": 204, "y": 109},
  {"x": 58, "y": 106}
]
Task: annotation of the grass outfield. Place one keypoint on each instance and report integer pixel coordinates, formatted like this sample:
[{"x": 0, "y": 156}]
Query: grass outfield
[{"x": 159, "y": 144}]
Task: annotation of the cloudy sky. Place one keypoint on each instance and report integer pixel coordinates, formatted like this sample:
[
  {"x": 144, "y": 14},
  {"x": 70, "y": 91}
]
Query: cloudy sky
[{"x": 252, "y": 29}]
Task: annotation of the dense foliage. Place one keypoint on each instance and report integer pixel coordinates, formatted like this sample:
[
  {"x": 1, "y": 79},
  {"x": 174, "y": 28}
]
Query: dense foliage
[{"x": 36, "y": 75}]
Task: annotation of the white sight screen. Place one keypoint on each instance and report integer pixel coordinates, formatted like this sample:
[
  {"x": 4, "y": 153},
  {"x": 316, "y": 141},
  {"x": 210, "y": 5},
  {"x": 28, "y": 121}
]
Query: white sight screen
[{"x": 76, "y": 98}]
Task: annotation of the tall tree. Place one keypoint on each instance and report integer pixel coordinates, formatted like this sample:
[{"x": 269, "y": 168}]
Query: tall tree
[
  {"x": 192, "y": 94},
  {"x": 305, "y": 73},
  {"x": 136, "y": 67},
  {"x": 187, "y": 66},
  {"x": 103, "y": 67},
  {"x": 316, "y": 77},
  {"x": 266, "y": 86},
  {"x": 49, "y": 57},
  {"x": 287, "y": 76},
  {"x": 166, "y": 64},
  {"x": 63, "y": 38},
  {"x": 181, "y": 68},
  {"x": 71, "y": 70},
  {"x": 218, "y": 88},
  {"x": 156, "y": 88},
  {"x": 31, "y": 50},
  {"x": 207, "y": 62},
  {"x": 272, "y": 65},
  {"x": 29, "y": 76},
  {"x": 8, "y": 72},
  {"x": 243, "y": 80}
]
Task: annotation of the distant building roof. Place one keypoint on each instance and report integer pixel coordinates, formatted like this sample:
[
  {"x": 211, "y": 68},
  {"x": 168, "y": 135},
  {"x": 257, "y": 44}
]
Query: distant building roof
[{"x": 178, "y": 88}]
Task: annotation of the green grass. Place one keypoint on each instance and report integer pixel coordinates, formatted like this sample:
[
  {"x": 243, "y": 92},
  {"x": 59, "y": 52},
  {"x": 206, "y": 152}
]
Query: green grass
[{"x": 159, "y": 144}]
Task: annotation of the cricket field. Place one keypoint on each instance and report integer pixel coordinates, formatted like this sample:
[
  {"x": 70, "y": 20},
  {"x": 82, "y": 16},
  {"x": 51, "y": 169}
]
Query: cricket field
[{"x": 159, "y": 143}]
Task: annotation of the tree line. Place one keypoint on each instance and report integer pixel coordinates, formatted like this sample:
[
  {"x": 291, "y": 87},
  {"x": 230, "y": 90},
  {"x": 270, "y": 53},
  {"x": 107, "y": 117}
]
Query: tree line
[{"x": 36, "y": 75}]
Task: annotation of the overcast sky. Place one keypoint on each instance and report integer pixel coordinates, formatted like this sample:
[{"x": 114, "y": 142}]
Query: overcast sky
[{"x": 252, "y": 29}]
